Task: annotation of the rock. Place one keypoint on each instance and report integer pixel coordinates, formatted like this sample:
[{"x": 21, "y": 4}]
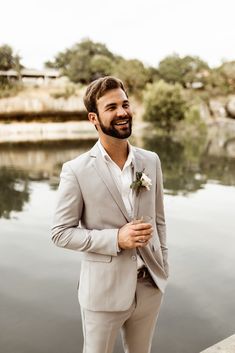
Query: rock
[
  {"x": 217, "y": 108},
  {"x": 230, "y": 147},
  {"x": 231, "y": 107}
]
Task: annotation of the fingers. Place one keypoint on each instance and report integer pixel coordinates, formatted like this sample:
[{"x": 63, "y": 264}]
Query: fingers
[
  {"x": 137, "y": 233},
  {"x": 140, "y": 226},
  {"x": 141, "y": 229},
  {"x": 141, "y": 243},
  {"x": 134, "y": 235},
  {"x": 142, "y": 240}
]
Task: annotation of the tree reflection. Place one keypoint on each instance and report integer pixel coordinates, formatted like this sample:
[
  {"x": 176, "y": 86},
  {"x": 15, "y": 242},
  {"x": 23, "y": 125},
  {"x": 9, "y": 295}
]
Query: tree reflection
[
  {"x": 14, "y": 191},
  {"x": 180, "y": 163},
  {"x": 187, "y": 167},
  {"x": 220, "y": 169}
]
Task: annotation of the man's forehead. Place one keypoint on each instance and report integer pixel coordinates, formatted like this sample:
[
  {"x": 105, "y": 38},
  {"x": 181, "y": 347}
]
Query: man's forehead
[{"x": 112, "y": 96}]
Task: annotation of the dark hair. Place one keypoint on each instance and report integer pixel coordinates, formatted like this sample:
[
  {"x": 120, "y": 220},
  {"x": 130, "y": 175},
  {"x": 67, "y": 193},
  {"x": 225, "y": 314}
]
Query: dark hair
[{"x": 98, "y": 88}]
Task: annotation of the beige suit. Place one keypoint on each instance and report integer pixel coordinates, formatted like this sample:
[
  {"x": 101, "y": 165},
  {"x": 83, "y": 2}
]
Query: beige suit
[{"x": 89, "y": 213}]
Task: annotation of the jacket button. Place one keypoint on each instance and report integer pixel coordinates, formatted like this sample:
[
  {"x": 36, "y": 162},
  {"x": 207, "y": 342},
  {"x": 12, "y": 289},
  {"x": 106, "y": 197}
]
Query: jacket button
[{"x": 133, "y": 257}]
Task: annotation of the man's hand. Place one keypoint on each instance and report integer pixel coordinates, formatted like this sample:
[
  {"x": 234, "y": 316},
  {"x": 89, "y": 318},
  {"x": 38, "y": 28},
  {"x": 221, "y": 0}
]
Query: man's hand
[{"x": 131, "y": 235}]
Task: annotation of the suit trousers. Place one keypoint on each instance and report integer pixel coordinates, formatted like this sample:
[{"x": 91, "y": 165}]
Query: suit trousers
[{"x": 137, "y": 324}]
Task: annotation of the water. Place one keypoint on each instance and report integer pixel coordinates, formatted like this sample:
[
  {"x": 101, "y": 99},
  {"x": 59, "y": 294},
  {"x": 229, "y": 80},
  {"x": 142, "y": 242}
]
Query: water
[{"x": 39, "y": 308}]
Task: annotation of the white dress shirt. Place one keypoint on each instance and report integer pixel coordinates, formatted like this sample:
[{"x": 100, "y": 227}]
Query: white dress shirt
[{"x": 123, "y": 179}]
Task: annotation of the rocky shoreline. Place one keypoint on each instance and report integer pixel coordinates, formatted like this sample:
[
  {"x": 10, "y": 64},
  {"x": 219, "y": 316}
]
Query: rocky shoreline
[
  {"x": 36, "y": 131},
  {"x": 35, "y": 115}
]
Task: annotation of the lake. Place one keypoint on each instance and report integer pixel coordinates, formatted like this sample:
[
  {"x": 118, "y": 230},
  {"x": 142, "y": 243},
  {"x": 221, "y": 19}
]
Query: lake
[{"x": 39, "y": 307}]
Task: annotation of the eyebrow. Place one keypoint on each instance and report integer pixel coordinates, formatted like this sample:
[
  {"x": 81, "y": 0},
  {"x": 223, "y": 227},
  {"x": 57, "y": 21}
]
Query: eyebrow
[{"x": 111, "y": 105}]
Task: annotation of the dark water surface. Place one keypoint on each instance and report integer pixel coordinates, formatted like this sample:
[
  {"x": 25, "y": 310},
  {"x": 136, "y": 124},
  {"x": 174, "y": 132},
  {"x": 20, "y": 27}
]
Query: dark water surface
[{"x": 39, "y": 312}]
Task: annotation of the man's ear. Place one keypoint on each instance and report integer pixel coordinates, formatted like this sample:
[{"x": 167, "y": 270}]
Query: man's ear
[{"x": 93, "y": 118}]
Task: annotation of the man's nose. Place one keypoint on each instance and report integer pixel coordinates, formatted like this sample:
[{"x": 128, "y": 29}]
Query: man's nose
[{"x": 121, "y": 112}]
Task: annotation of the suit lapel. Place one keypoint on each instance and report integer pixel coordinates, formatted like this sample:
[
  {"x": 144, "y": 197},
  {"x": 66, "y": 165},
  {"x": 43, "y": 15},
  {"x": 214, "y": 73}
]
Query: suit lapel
[
  {"x": 104, "y": 173},
  {"x": 138, "y": 167}
]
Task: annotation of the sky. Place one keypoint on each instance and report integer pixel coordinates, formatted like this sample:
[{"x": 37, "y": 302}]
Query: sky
[{"x": 147, "y": 30}]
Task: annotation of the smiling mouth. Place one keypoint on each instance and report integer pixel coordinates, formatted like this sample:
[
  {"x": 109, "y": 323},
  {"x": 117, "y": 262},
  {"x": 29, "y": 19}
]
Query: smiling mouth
[{"x": 122, "y": 122}]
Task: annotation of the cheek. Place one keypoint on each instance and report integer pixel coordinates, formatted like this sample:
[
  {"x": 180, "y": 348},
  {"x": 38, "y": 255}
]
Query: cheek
[
  {"x": 129, "y": 112},
  {"x": 107, "y": 119}
]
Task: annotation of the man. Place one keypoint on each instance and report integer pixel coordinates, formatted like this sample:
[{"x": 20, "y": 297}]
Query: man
[{"x": 124, "y": 268}]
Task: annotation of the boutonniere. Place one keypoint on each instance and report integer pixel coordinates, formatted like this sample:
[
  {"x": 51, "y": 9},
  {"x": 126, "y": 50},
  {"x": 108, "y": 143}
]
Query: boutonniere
[{"x": 142, "y": 181}]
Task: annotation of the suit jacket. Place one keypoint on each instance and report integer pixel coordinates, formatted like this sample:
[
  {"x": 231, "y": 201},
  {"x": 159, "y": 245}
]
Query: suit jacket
[{"x": 88, "y": 215}]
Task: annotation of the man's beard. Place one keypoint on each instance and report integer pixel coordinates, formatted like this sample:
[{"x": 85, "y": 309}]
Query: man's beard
[{"x": 113, "y": 131}]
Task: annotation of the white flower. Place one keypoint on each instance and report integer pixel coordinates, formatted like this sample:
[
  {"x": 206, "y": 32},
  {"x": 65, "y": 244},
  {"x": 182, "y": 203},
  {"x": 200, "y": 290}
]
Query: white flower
[
  {"x": 146, "y": 181},
  {"x": 142, "y": 181}
]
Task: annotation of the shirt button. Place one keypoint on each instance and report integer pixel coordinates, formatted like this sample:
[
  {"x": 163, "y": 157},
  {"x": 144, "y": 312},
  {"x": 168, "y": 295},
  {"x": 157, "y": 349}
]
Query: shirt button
[{"x": 133, "y": 257}]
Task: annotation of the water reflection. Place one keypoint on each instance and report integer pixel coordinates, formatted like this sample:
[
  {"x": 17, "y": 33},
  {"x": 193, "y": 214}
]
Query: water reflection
[
  {"x": 187, "y": 167},
  {"x": 40, "y": 312},
  {"x": 221, "y": 169},
  {"x": 14, "y": 191},
  {"x": 25, "y": 162}
]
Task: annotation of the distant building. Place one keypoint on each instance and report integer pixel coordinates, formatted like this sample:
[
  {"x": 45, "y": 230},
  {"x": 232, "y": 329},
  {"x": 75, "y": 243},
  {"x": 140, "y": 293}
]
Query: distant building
[{"x": 31, "y": 76}]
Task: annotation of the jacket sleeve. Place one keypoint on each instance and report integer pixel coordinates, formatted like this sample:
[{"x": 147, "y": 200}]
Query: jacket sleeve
[
  {"x": 160, "y": 215},
  {"x": 66, "y": 229}
]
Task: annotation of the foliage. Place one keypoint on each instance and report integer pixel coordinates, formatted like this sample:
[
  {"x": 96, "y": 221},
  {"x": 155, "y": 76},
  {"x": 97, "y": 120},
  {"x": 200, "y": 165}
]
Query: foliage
[
  {"x": 185, "y": 70},
  {"x": 193, "y": 119},
  {"x": 101, "y": 65},
  {"x": 221, "y": 80},
  {"x": 88, "y": 60},
  {"x": 133, "y": 73},
  {"x": 164, "y": 104},
  {"x": 153, "y": 74},
  {"x": 84, "y": 62},
  {"x": 8, "y": 60}
]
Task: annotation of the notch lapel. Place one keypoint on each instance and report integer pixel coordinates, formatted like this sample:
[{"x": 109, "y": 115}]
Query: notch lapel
[
  {"x": 138, "y": 167},
  {"x": 104, "y": 173}
]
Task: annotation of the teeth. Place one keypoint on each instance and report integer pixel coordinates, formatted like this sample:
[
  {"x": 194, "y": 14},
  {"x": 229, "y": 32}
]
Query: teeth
[{"x": 122, "y": 122}]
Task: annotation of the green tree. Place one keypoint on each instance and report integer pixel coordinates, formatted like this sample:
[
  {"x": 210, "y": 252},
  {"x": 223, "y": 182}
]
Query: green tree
[
  {"x": 222, "y": 79},
  {"x": 153, "y": 74},
  {"x": 101, "y": 65},
  {"x": 186, "y": 70},
  {"x": 7, "y": 59},
  {"x": 84, "y": 62},
  {"x": 164, "y": 104},
  {"x": 133, "y": 73}
]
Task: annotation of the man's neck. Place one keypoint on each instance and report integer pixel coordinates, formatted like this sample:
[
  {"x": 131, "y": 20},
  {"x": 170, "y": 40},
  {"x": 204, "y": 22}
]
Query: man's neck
[{"x": 117, "y": 149}]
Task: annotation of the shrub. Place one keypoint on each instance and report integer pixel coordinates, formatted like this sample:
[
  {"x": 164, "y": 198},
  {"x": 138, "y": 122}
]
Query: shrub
[{"x": 164, "y": 104}]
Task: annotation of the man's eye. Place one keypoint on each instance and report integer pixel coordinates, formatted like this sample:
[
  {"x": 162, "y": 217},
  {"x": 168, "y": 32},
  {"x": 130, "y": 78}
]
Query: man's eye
[{"x": 126, "y": 105}]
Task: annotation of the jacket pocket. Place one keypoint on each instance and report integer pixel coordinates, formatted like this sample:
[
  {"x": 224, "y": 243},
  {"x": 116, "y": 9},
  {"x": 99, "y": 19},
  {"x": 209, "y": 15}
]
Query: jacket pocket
[{"x": 91, "y": 256}]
